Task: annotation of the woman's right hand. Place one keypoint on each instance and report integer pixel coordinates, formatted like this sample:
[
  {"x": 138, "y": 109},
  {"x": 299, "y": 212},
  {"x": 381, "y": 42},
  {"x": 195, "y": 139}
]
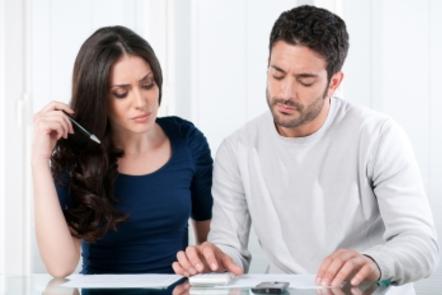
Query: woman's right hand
[{"x": 50, "y": 124}]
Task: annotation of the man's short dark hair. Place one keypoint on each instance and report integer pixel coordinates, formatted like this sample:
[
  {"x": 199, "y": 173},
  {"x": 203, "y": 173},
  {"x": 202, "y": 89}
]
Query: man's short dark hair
[{"x": 317, "y": 29}]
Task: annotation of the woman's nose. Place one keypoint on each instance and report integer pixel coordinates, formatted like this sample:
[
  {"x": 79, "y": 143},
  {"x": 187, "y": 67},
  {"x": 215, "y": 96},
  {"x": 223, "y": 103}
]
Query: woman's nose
[{"x": 139, "y": 100}]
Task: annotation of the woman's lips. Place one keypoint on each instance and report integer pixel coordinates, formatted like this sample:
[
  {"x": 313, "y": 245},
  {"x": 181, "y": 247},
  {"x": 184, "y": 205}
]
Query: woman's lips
[{"x": 141, "y": 118}]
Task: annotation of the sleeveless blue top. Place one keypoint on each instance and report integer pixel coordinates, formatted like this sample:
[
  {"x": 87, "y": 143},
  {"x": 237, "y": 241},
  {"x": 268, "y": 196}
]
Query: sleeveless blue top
[{"x": 158, "y": 206}]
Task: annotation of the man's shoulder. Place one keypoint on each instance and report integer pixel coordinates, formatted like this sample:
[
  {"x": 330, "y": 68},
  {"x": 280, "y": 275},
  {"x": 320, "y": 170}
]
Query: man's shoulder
[
  {"x": 252, "y": 130},
  {"x": 355, "y": 116}
]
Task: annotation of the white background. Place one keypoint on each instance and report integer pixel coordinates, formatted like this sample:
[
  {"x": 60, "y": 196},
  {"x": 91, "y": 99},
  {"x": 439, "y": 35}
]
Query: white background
[{"x": 214, "y": 54}]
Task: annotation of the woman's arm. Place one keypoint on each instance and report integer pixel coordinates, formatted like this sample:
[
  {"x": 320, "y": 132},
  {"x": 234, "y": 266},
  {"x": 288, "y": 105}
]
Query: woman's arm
[
  {"x": 201, "y": 229},
  {"x": 59, "y": 250}
]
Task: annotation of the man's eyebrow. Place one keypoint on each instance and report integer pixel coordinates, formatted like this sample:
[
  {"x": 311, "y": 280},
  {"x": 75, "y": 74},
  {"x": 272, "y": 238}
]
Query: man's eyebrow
[
  {"x": 277, "y": 68},
  {"x": 306, "y": 75},
  {"x": 298, "y": 76}
]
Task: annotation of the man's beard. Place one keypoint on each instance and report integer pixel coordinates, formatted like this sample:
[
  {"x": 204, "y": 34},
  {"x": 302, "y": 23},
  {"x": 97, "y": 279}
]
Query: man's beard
[{"x": 305, "y": 113}]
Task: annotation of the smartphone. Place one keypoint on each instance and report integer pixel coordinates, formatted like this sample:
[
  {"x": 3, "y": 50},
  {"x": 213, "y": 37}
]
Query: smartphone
[{"x": 271, "y": 288}]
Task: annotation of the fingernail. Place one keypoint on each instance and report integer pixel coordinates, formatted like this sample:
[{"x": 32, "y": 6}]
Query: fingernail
[
  {"x": 213, "y": 266},
  {"x": 192, "y": 270},
  {"x": 199, "y": 267},
  {"x": 318, "y": 280}
]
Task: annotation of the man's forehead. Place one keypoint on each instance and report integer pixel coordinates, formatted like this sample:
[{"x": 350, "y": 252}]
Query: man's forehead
[{"x": 296, "y": 61}]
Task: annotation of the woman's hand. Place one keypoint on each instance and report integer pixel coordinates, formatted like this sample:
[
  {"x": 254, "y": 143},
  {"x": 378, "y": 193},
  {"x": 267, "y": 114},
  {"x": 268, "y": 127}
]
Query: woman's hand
[{"x": 50, "y": 124}]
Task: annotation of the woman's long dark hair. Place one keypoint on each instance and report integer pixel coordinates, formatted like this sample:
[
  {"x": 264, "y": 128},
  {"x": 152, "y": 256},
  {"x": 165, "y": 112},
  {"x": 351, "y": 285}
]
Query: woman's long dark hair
[{"x": 87, "y": 169}]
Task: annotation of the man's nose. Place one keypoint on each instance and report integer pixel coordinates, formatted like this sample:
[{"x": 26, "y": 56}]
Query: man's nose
[{"x": 287, "y": 90}]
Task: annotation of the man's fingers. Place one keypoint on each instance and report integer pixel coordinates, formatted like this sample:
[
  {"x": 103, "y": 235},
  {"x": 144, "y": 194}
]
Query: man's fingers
[
  {"x": 325, "y": 265},
  {"x": 203, "y": 258},
  {"x": 350, "y": 267},
  {"x": 195, "y": 261},
  {"x": 184, "y": 263},
  {"x": 231, "y": 266},
  {"x": 322, "y": 268},
  {"x": 178, "y": 269},
  {"x": 334, "y": 267},
  {"x": 209, "y": 255},
  {"x": 366, "y": 273}
]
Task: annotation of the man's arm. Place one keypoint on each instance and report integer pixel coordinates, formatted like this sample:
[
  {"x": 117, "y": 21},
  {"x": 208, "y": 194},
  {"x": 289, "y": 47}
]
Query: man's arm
[
  {"x": 410, "y": 251},
  {"x": 230, "y": 225},
  {"x": 231, "y": 221}
]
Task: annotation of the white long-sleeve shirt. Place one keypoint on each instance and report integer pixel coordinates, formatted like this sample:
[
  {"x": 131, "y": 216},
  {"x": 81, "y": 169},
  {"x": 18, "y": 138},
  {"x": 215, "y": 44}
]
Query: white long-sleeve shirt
[{"x": 353, "y": 184}]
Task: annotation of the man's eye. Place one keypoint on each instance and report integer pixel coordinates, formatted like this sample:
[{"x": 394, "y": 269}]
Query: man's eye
[
  {"x": 278, "y": 77},
  {"x": 306, "y": 83}
]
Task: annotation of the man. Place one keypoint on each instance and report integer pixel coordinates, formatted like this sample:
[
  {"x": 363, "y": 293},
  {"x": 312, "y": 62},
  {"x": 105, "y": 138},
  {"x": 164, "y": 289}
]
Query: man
[{"x": 331, "y": 188}]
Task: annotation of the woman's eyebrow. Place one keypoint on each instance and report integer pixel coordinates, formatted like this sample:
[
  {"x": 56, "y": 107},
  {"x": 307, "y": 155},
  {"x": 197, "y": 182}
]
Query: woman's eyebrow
[{"x": 126, "y": 85}]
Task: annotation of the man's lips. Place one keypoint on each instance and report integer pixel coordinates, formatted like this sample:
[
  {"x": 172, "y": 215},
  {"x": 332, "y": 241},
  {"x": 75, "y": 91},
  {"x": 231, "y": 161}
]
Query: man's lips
[{"x": 285, "y": 108}]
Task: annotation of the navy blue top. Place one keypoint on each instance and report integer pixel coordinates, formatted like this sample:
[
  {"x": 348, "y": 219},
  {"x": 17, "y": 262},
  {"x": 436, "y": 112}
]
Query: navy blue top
[{"x": 158, "y": 205}]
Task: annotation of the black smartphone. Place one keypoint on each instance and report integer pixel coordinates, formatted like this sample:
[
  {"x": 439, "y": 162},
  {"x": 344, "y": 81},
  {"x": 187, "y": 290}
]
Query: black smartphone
[{"x": 271, "y": 288}]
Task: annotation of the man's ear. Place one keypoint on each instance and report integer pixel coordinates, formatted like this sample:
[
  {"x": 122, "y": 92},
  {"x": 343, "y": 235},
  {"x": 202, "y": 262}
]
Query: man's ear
[{"x": 335, "y": 81}]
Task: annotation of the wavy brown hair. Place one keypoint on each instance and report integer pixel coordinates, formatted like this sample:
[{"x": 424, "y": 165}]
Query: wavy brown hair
[{"x": 86, "y": 169}]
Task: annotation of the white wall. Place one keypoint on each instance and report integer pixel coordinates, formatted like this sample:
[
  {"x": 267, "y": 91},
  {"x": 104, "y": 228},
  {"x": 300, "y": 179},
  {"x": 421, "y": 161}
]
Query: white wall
[
  {"x": 14, "y": 208},
  {"x": 214, "y": 56},
  {"x": 2, "y": 138}
]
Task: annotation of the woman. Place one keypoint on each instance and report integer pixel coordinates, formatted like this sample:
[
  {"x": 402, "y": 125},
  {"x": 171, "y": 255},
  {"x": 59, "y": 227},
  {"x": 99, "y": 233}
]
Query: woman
[{"x": 125, "y": 202}]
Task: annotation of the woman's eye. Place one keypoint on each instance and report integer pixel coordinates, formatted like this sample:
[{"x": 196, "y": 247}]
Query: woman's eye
[
  {"x": 120, "y": 94},
  {"x": 148, "y": 85}
]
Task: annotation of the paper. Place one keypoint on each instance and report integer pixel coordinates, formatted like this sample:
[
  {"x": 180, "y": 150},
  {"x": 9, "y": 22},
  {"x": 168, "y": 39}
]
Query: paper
[
  {"x": 302, "y": 281},
  {"x": 154, "y": 281}
]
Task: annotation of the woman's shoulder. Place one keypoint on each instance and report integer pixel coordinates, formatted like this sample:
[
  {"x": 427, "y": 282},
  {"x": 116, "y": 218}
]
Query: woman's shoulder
[
  {"x": 178, "y": 127},
  {"x": 183, "y": 131}
]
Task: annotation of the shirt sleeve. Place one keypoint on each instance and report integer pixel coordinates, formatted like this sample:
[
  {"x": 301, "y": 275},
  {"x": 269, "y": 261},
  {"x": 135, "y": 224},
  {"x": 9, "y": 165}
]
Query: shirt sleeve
[
  {"x": 410, "y": 251},
  {"x": 230, "y": 226},
  {"x": 202, "y": 179}
]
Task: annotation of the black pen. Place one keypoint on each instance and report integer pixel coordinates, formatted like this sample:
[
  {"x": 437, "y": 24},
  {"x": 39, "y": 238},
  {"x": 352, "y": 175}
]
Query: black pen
[{"x": 82, "y": 129}]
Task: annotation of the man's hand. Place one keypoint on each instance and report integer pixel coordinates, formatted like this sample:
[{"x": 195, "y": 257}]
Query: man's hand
[
  {"x": 346, "y": 265},
  {"x": 204, "y": 258}
]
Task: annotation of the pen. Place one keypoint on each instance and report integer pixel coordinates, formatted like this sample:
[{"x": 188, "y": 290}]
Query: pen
[{"x": 82, "y": 129}]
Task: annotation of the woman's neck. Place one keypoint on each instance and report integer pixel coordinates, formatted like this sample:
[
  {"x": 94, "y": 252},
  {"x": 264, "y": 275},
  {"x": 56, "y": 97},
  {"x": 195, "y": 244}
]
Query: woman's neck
[{"x": 135, "y": 144}]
